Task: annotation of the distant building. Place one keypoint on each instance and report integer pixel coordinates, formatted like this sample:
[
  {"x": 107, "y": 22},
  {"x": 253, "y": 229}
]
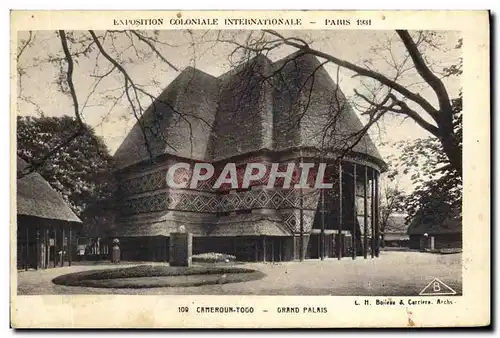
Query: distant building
[
  {"x": 250, "y": 114},
  {"x": 435, "y": 232},
  {"x": 44, "y": 223},
  {"x": 396, "y": 231}
]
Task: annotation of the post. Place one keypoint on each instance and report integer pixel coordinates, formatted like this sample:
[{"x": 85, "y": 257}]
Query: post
[
  {"x": 26, "y": 260},
  {"x": 181, "y": 248},
  {"x": 264, "y": 248},
  {"x": 280, "y": 249},
  {"x": 62, "y": 245},
  {"x": 372, "y": 212},
  {"x": 116, "y": 252},
  {"x": 322, "y": 234},
  {"x": 301, "y": 221},
  {"x": 38, "y": 248},
  {"x": 70, "y": 246},
  {"x": 47, "y": 247},
  {"x": 354, "y": 216},
  {"x": 272, "y": 250},
  {"x": 55, "y": 247},
  {"x": 365, "y": 215},
  {"x": 341, "y": 242},
  {"x": 377, "y": 225},
  {"x": 256, "y": 245},
  {"x": 166, "y": 248}
]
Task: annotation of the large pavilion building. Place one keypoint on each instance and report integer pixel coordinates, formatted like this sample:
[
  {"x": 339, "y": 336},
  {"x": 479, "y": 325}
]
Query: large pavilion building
[{"x": 288, "y": 111}]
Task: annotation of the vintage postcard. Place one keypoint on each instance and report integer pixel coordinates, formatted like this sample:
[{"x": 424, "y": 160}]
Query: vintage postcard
[{"x": 250, "y": 169}]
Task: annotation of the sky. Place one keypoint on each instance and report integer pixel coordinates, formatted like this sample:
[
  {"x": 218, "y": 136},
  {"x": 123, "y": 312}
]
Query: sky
[{"x": 199, "y": 49}]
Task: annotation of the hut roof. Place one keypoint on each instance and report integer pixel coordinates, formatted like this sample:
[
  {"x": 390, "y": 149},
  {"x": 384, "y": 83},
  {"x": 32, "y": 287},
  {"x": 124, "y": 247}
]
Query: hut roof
[
  {"x": 428, "y": 223},
  {"x": 253, "y": 107},
  {"x": 36, "y": 198}
]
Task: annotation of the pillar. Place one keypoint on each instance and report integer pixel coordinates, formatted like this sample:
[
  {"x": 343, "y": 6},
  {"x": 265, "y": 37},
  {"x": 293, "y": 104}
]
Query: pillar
[
  {"x": 355, "y": 215},
  {"x": 321, "y": 245},
  {"x": 70, "y": 246},
  {"x": 280, "y": 249},
  {"x": 62, "y": 245},
  {"x": 372, "y": 213},
  {"x": 302, "y": 251},
  {"x": 301, "y": 222},
  {"x": 166, "y": 248},
  {"x": 377, "y": 225},
  {"x": 27, "y": 249},
  {"x": 38, "y": 249},
  {"x": 272, "y": 250},
  {"x": 341, "y": 242},
  {"x": 181, "y": 248},
  {"x": 365, "y": 214},
  {"x": 55, "y": 247},
  {"x": 256, "y": 249},
  {"x": 47, "y": 246},
  {"x": 264, "y": 248}
]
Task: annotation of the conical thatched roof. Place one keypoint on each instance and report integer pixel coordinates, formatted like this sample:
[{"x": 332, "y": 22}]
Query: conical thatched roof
[
  {"x": 36, "y": 198},
  {"x": 255, "y": 106}
]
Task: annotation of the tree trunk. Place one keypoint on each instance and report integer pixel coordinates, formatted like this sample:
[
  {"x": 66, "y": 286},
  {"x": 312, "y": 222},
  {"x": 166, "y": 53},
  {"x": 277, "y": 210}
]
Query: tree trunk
[{"x": 452, "y": 150}]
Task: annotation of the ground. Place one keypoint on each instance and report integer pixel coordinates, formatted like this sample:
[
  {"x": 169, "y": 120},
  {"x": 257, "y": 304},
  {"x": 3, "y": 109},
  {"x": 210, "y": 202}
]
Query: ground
[{"x": 392, "y": 274}]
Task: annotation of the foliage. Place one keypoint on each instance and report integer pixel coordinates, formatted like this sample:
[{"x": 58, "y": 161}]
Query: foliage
[
  {"x": 80, "y": 171},
  {"x": 438, "y": 186}
]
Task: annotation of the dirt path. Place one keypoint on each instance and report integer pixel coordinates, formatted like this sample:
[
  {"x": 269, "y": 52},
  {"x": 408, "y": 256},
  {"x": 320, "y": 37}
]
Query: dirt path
[{"x": 393, "y": 274}]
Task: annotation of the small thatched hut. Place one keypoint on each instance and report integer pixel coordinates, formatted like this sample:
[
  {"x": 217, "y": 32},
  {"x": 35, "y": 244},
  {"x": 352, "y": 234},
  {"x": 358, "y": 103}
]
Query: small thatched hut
[
  {"x": 435, "y": 233},
  {"x": 44, "y": 223}
]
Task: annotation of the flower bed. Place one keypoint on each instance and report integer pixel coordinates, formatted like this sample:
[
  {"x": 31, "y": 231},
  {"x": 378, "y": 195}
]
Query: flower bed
[{"x": 213, "y": 257}]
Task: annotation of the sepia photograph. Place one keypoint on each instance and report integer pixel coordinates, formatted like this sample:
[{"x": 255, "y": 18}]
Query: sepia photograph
[{"x": 280, "y": 161}]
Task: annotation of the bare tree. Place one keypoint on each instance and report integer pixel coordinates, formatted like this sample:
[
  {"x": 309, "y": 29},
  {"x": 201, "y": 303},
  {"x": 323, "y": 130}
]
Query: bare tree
[
  {"x": 387, "y": 94},
  {"x": 111, "y": 51},
  {"x": 392, "y": 201}
]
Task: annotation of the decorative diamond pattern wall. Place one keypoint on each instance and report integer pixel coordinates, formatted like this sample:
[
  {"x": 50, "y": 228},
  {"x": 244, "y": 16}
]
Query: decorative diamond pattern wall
[{"x": 212, "y": 203}]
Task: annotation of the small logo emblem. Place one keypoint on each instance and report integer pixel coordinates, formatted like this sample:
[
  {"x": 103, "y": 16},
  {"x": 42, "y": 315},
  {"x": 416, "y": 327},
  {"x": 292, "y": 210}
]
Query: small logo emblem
[{"x": 437, "y": 288}]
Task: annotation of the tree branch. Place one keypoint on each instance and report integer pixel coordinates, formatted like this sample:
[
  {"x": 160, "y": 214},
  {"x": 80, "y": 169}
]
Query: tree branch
[
  {"x": 404, "y": 110},
  {"x": 424, "y": 71},
  {"x": 364, "y": 72},
  {"x": 141, "y": 37},
  {"x": 23, "y": 48},
  {"x": 69, "y": 76}
]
